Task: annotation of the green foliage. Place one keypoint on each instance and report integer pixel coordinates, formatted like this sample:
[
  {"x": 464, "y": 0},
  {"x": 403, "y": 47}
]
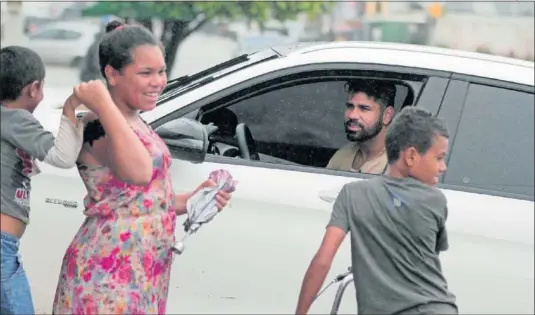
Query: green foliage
[
  {"x": 258, "y": 11},
  {"x": 142, "y": 10},
  {"x": 181, "y": 13}
]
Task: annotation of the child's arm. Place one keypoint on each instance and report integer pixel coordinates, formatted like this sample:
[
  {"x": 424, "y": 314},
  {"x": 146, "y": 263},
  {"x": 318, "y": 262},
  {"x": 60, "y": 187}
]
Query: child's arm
[
  {"x": 69, "y": 140},
  {"x": 20, "y": 128},
  {"x": 442, "y": 236},
  {"x": 321, "y": 263}
]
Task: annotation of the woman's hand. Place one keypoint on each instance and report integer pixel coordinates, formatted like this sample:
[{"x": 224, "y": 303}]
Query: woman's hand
[
  {"x": 94, "y": 95},
  {"x": 222, "y": 197}
]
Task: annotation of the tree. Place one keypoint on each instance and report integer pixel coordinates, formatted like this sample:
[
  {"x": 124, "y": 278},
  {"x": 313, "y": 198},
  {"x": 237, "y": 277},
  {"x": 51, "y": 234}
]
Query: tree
[{"x": 181, "y": 19}]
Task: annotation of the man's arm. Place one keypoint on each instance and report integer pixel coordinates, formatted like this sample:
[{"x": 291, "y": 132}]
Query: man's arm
[
  {"x": 321, "y": 263},
  {"x": 334, "y": 162},
  {"x": 330, "y": 165},
  {"x": 342, "y": 160}
]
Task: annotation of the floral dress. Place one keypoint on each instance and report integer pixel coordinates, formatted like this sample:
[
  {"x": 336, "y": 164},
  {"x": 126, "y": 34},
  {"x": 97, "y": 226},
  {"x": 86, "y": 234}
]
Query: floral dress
[{"x": 119, "y": 261}]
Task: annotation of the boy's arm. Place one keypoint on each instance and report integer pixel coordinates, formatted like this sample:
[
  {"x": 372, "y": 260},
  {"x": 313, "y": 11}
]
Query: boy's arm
[
  {"x": 321, "y": 263},
  {"x": 69, "y": 140},
  {"x": 442, "y": 236},
  {"x": 69, "y": 110},
  {"x": 22, "y": 130}
]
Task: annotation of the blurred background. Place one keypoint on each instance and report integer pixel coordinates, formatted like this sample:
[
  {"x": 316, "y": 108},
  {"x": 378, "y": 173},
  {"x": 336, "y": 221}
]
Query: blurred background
[{"x": 200, "y": 34}]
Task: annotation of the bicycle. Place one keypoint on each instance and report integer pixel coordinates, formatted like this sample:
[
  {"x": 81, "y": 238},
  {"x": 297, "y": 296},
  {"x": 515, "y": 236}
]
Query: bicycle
[{"x": 345, "y": 279}]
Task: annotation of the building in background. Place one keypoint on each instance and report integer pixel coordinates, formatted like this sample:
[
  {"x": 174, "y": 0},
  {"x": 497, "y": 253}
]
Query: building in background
[{"x": 502, "y": 28}]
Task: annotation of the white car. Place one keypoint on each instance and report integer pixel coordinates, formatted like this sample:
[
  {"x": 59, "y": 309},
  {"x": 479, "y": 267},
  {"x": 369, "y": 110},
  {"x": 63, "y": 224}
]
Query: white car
[
  {"x": 279, "y": 114},
  {"x": 63, "y": 43}
]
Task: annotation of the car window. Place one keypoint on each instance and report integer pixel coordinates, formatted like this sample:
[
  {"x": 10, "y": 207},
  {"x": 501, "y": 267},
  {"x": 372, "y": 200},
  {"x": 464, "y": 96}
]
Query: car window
[
  {"x": 69, "y": 35},
  {"x": 493, "y": 147},
  {"x": 307, "y": 114},
  {"x": 47, "y": 34},
  {"x": 301, "y": 123}
]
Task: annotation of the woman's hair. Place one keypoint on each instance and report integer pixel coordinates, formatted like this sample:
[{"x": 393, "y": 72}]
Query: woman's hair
[{"x": 116, "y": 47}]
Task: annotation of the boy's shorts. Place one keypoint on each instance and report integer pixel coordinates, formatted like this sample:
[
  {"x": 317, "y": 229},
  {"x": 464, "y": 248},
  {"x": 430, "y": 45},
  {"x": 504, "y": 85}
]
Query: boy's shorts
[
  {"x": 431, "y": 308},
  {"x": 16, "y": 297}
]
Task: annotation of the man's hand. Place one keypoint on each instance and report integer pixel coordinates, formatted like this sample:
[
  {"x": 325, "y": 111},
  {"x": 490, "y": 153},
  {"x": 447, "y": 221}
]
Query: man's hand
[{"x": 319, "y": 267}]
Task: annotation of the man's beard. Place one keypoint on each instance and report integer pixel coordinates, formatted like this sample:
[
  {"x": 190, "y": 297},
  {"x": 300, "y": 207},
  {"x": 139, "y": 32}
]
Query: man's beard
[{"x": 364, "y": 134}]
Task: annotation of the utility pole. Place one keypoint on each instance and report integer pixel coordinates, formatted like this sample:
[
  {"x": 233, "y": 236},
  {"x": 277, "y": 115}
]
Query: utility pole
[{"x": 14, "y": 26}]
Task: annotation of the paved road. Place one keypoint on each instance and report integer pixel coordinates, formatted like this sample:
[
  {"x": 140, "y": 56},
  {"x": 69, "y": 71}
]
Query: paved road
[{"x": 198, "y": 52}]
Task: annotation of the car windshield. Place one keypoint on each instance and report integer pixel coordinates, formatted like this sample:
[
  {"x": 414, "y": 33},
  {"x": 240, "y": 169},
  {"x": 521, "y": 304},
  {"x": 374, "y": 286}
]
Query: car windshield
[{"x": 186, "y": 83}]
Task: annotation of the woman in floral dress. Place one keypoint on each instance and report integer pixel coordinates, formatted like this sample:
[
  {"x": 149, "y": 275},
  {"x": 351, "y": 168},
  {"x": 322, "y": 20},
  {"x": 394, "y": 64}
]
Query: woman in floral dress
[{"x": 119, "y": 261}]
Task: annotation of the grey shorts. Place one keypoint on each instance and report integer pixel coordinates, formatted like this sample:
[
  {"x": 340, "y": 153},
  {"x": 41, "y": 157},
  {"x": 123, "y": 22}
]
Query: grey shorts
[{"x": 431, "y": 309}]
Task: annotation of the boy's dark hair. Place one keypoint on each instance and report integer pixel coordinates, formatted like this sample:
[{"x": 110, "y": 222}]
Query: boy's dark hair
[
  {"x": 413, "y": 127},
  {"x": 383, "y": 93},
  {"x": 19, "y": 66},
  {"x": 115, "y": 48}
]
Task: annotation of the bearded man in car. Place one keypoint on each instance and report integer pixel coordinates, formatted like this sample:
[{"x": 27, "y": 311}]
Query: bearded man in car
[{"x": 370, "y": 110}]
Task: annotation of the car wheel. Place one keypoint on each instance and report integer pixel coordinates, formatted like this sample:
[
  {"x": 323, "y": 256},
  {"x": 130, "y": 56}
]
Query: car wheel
[{"x": 77, "y": 62}]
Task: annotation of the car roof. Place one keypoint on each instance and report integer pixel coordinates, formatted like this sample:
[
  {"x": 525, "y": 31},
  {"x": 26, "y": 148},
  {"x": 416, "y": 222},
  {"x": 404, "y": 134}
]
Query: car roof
[
  {"x": 413, "y": 48},
  {"x": 448, "y": 60},
  {"x": 79, "y": 26},
  {"x": 426, "y": 57}
]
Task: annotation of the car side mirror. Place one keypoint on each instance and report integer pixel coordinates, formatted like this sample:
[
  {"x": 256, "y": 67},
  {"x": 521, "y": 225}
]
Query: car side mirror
[{"x": 187, "y": 139}]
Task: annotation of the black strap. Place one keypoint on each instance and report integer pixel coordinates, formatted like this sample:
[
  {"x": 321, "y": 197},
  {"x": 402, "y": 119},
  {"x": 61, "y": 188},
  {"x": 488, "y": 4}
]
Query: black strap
[
  {"x": 93, "y": 131},
  {"x": 384, "y": 171}
]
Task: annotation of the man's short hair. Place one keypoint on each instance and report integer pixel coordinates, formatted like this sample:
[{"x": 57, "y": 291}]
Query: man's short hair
[
  {"x": 19, "y": 67},
  {"x": 381, "y": 92},
  {"x": 413, "y": 127}
]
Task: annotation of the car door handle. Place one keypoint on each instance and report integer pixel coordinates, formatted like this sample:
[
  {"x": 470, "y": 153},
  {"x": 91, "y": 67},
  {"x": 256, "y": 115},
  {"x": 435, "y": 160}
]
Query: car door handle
[{"x": 328, "y": 195}]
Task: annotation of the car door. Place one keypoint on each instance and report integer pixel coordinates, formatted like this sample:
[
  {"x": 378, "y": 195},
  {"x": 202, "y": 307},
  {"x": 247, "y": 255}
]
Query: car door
[
  {"x": 252, "y": 257},
  {"x": 68, "y": 46},
  {"x": 489, "y": 186}
]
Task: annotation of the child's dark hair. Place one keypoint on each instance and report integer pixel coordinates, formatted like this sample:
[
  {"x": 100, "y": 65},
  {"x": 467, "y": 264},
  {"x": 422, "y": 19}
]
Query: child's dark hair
[
  {"x": 115, "y": 48},
  {"x": 383, "y": 93},
  {"x": 413, "y": 127},
  {"x": 19, "y": 67}
]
